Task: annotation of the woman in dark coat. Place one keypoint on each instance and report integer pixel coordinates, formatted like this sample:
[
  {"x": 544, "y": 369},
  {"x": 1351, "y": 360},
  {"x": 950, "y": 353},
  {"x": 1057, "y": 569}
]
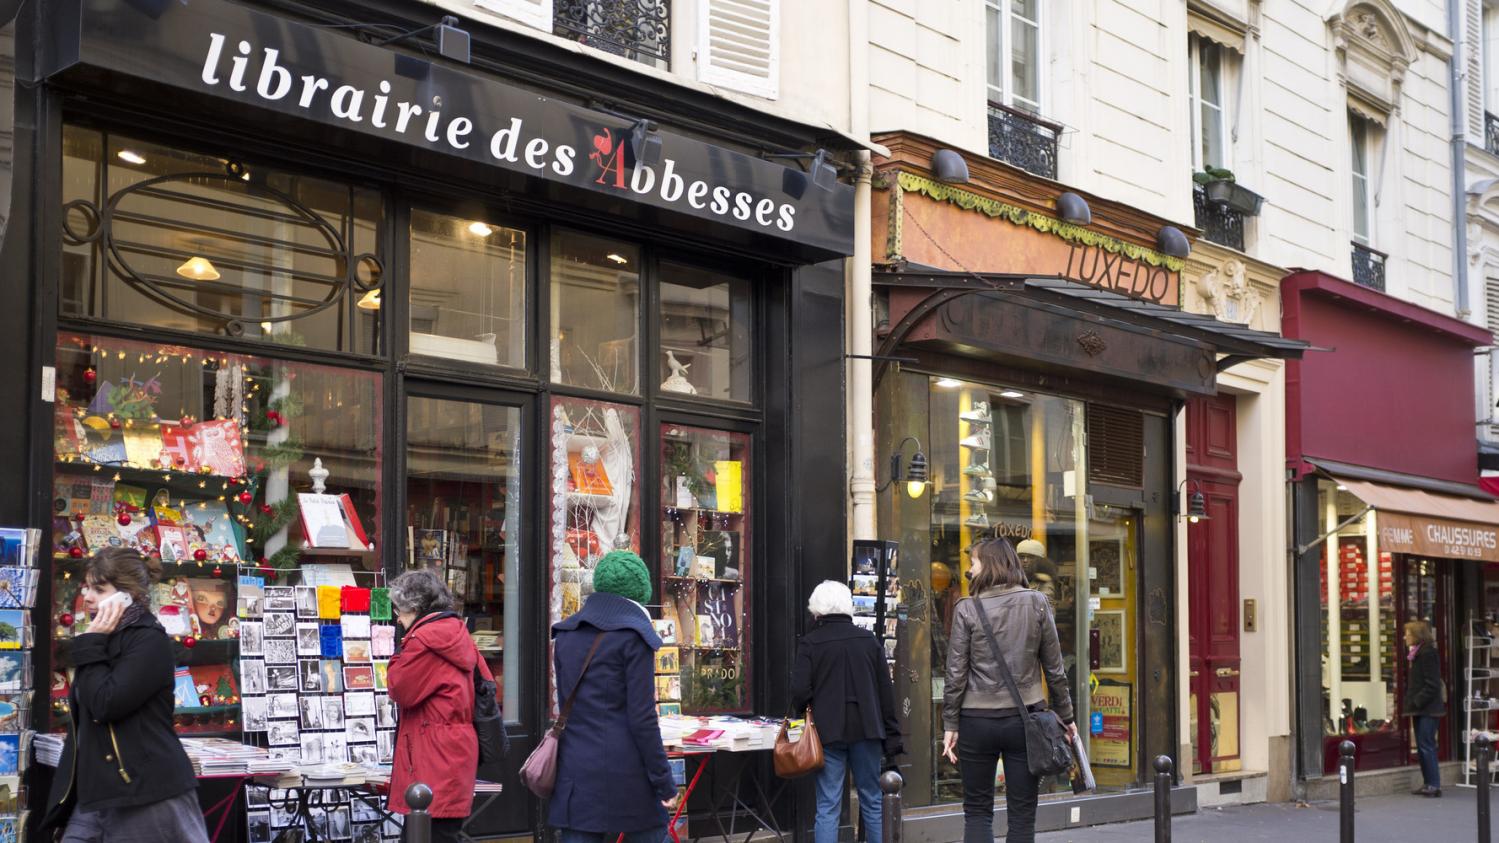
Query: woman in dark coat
[
  {"x": 612, "y": 774},
  {"x": 123, "y": 776},
  {"x": 840, "y": 672},
  {"x": 431, "y": 679},
  {"x": 1425, "y": 700}
]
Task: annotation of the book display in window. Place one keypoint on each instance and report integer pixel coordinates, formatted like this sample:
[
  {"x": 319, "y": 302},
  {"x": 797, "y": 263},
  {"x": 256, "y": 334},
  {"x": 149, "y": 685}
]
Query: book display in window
[
  {"x": 705, "y": 555},
  {"x": 875, "y": 583}
]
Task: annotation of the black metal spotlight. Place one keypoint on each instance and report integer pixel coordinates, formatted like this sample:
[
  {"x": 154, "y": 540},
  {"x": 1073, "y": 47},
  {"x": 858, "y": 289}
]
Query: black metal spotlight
[
  {"x": 949, "y": 167},
  {"x": 645, "y": 144},
  {"x": 452, "y": 42},
  {"x": 1197, "y": 508},
  {"x": 1074, "y": 209},
  {"x": 1171, "y": 241},
  {"x": 824, "y": 174}
]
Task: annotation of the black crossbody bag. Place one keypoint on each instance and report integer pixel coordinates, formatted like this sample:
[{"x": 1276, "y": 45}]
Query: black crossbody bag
[{"x": 1048, "y": 749}]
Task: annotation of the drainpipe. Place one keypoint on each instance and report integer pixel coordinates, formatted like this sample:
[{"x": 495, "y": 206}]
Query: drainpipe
[
  {"x": 1459, "y": 174},
  {"x": 859, "y": 298}
]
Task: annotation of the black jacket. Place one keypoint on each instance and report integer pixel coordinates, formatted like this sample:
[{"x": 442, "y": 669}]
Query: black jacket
[
  {"x": 840, "y": 669},
  {"x": 1425, "y": 694},
  {"x": 121, "y": 747}
]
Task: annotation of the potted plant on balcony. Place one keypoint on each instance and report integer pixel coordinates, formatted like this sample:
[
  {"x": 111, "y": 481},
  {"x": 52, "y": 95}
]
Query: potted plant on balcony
[{"x": 1221, "y": 187}]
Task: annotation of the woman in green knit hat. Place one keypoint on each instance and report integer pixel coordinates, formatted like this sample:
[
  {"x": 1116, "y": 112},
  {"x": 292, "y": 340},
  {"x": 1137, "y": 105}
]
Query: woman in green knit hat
[{"x": 612, "y": 774}]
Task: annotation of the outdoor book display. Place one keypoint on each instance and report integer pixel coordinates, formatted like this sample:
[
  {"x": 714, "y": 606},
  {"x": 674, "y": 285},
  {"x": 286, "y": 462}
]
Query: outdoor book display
[{"x": 875, "y": 584}]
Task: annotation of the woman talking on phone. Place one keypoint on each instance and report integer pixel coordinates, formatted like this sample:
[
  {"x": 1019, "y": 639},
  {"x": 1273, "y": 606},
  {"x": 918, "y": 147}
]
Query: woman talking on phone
[{"x": 123, "y": 776}]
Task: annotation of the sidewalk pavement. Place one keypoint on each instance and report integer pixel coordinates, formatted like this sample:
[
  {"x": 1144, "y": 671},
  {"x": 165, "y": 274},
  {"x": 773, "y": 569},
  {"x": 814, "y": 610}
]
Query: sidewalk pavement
[{"x": 1403, "y": 818}]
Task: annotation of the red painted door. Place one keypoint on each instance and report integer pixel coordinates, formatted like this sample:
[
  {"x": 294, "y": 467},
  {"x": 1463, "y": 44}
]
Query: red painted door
[{"x": 1213, "y": 583}]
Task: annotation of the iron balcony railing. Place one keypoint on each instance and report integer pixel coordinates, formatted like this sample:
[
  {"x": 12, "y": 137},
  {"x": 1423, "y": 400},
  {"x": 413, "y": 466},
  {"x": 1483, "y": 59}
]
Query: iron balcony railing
[
  {"x": 639, "y": 30},
  {"x": 1024, "y": 140},
  {"x": 1218, "y": 222},
  {"x": 1368, "y": 267},
  {"x": 1491, "y": 132}
]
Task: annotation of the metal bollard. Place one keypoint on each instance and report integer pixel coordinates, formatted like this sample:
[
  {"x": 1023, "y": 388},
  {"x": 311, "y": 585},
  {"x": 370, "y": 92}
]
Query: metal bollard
[
  {"x": 1345, "y": 791},
  {"x": 890, "y": 819},
  {"x": 1163, "y": 799},
  {"x": 1485, "y": 759},
  {"x": 418, "y": 822}
]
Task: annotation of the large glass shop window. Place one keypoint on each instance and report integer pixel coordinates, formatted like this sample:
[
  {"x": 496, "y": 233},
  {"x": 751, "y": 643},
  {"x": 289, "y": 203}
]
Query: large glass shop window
[
  {"x": 223, "y": 465},
  {"x": 163, "y": 237},
  {"x": 595, "y": 319},
  {"x": 706, "y": 333},
  {"x": 705, "y": 557},
  {"x": 468, "y": 289},
  {"x": 463, "y": 475}
]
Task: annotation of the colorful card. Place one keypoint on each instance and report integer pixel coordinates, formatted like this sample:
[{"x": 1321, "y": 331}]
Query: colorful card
[
  {"x": 331, "y": 637},
  {"x": 219, "y": 447},
  {"x": 172, "y": 540},
  {"x": 359, "y": 678},
  {"x": 380, "y": 604},
  {"x": 209, "y": 526},
  {"x": 355, "y": 599},
  {"x": 333, "y": 676},
  {"x": 382, "y": 671},
  {"x": 329, "y": 602},
  {"x": 382, "y": 641}
]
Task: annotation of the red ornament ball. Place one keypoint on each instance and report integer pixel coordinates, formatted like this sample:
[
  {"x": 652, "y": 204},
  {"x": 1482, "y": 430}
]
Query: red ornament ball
[
  {"x": 200, "y": 554},
  {"x": 66, "y": 619},
  {"x": 78, "y": 516},
  {"x": 217, "y": 571},
  {"x": 89, "y": 375},
  {"x": 245, "y": 497},
  {"x": 265, "y": 509},
  {"x": 115, "y": 424},
  {"x": 75, "y": 552},
  {"x": 189, "y": 642},
  {"x": 124, "y": 519}
]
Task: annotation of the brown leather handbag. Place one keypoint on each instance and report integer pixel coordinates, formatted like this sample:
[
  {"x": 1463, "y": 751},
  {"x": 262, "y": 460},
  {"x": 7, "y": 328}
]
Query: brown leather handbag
[
  {"x": 795, "y": 759},
  {"x": 539, "y": 773}
]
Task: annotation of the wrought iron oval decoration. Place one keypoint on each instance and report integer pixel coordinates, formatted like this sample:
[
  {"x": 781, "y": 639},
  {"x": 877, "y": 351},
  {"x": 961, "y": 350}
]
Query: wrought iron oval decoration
[{"x": 220, "y": 246}]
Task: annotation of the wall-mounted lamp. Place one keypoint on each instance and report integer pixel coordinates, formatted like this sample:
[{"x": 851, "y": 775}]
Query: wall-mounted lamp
[
  {"x": 1074, "y": 209},
  {"x": 1171, "y": 241},
  {"x": 452, "y": 43},
  {"x": 949, "y": 167},
  {"x": 1197, "y": 503},
  {"x": 645, "y": 144},
  {"x": 820, "y": 173},
  {"x": 915, "y": 474}
]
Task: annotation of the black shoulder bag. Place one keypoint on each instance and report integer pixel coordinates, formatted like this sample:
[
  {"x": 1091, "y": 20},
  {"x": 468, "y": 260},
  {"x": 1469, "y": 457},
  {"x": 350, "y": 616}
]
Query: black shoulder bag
[
  {"x": 1048, "y": 749},
  {"x": 489, "y": 724}
]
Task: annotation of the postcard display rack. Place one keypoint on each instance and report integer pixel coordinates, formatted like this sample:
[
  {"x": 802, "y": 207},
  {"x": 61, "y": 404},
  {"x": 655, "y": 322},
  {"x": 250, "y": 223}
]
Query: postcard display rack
[
  {"x": 18, "y": 586},
  {"x": 875, "y": 583}
]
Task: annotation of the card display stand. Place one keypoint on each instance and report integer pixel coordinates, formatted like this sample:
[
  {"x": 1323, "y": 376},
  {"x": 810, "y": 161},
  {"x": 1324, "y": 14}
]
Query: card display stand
[{"x": 875, "y": 583}]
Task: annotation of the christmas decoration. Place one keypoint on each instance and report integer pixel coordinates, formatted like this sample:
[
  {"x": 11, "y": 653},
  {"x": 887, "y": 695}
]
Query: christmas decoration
[
  {"x": 124, "y": 519},
  {"x": 66, "y": 619},
  {"x": 90, "y": 375},
  {"x": 200, "y": 554},
  {"x": 75, "y": 552},
  {"x": 217, "y": 571},
  {"x": 246, "y": 497},
  {"x": 189, "y": 642}
]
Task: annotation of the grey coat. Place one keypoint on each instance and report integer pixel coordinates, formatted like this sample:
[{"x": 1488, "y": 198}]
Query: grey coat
[{"x": 1028, "y": 637}]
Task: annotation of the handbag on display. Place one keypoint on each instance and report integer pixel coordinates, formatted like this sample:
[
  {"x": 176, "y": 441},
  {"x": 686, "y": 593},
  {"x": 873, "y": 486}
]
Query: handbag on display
[
  {"x": 797, "y": 758},
  {"x": 1048, "y": 747},
  {"x": 539, "y": 773}
]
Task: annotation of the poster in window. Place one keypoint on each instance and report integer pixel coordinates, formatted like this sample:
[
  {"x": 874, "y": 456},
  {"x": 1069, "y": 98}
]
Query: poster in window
[
  {"x": 1111, "y": 650},
  {"x": 1111, "y": 746},
  {"x": 1106, "y": 559}
]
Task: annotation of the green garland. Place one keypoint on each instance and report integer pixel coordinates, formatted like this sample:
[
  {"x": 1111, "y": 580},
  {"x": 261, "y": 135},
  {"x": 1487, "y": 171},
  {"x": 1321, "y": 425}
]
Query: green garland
[
  {"x": 970, "y": 201},
  {"x": 277, "y": 456}
]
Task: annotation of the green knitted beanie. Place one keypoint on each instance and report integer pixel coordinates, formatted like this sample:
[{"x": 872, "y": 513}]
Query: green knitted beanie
[{"x": 624, "y": 573}]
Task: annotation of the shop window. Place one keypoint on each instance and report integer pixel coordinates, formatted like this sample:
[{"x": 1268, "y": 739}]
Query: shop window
[
  {"x": 210, "y": 461},
  {"x": 468, "y": 289},
  {"x": 167, "y": 238},
  {"x": 705, "y": 566},
  {"x": 707, "y": 323},
  {"x": 595, "y": 320},
  {"x": 463, "y": 493}
]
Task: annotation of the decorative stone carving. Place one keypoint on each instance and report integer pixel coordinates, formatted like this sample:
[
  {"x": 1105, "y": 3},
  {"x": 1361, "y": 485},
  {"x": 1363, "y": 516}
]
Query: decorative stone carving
[
  {"x": 1374, "y": 49},
  {"x": 1228, "y": 293}
]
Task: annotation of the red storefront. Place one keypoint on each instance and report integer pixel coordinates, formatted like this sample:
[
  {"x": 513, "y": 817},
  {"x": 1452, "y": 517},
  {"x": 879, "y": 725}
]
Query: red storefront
[{"x": 1389, "y": 522}]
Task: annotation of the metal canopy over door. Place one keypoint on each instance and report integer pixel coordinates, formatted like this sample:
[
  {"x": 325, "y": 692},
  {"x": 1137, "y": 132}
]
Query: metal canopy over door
[{"x": 1213, "y": 584}]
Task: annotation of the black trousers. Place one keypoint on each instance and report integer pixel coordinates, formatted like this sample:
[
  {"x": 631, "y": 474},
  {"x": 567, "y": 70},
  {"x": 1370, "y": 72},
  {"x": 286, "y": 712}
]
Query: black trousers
[
  {"x": 982, "y": 743},
  {"x": 443, "y": 830}
]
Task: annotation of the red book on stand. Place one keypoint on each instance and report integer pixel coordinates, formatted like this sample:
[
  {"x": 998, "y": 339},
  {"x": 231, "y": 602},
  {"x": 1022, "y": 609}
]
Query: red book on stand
[{"x": 702, "y": 737}]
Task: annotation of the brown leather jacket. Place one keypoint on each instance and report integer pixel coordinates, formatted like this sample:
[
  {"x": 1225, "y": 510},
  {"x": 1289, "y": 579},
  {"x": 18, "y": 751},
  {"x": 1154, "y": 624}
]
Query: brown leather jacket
[{"x": 1028, "y": 637}]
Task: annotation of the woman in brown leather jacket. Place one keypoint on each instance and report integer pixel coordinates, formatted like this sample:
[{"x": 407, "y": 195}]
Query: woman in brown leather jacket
[{"x": 979, "y": 716}]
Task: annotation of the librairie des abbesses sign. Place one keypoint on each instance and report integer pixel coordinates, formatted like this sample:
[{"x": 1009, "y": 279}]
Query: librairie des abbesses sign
[{"x": 231, "y": 51}]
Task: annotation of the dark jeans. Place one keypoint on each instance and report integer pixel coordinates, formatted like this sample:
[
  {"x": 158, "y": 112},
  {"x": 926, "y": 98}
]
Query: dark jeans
[
  {"x": 1426, "y": 748},
  {"x": 982, "y": 742},
  {"x": 443, "y": 830}
]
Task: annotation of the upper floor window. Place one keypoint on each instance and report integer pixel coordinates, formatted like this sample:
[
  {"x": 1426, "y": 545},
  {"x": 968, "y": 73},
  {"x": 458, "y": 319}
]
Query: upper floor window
[
  {"x": 639, "y": 30},
  {"x": 1014, "y": 48},
  {"x": 1210, "y": 147},
  {"x": 1359, "y": 147}
]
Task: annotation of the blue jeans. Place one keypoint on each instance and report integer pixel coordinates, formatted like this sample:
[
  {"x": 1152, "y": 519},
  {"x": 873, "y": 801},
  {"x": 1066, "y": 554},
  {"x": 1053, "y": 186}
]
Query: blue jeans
[
  {"x": 863, "y": 760},
  {"x": 1426, "y": 749},
  {"x": 655, "y": 835}
]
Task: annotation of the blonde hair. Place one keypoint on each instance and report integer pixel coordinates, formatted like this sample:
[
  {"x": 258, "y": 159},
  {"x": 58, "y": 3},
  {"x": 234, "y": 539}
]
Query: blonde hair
[
  {"x": 831, "y": 597},
  {"x": 1421, "y": 631}
]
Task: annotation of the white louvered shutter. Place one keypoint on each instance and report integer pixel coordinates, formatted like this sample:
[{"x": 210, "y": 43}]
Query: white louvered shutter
[
  {"x": 533, "y": 13},
  {"x": 1474, "y": 46},
  {"x": 738, "y": 45}
]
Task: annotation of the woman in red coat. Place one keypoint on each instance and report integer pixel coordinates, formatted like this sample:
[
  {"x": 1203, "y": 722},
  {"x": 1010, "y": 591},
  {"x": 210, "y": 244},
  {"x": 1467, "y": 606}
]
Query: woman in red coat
[{"x": 431, "y": 679}]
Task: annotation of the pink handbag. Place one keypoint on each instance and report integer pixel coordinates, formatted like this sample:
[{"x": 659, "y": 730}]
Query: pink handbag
[{"x": 539, "y": 773}]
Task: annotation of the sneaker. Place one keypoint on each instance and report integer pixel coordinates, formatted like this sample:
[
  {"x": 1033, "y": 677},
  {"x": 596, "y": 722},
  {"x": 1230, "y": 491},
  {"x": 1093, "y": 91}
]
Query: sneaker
[
  {"x": 978, "y": 441},
  {"x": 979, "y": 495},
  {"x": 977, "y": 414},
  {"x": 978, "y": 469},
  {"x": 978, "y": 519}
]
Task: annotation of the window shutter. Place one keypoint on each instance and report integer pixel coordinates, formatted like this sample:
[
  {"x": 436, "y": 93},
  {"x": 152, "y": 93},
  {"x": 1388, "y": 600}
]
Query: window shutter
[
  {"x": 533, "y": 13},
  {"x": 1475, "y": 48},
  {"x": 1116, "y": 446},
  {"x": 738, "y": 45}
]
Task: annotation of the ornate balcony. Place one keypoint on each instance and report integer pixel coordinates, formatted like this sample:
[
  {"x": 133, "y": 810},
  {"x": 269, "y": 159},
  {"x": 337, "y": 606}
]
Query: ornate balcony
[
  {"x": 1024, "y": 140},
  {"x": 1368, "y": 267},
  {"x": 639, "y": 30},
  {"x": 1491, "y": 132},
  {"x": 1219, "y": 223}
]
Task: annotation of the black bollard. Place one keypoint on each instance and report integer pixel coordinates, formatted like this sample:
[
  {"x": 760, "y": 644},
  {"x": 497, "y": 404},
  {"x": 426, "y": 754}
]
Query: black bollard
[
  {"x": 1485, "y": 759},
  {"x": 890, "y": 819},
  {"x": 418, "y": 822},
  {"x": 1345, "y": 791},
  {"x": 1163, "y": 799}
]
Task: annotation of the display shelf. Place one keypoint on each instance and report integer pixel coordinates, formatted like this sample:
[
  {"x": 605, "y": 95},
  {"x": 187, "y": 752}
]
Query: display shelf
[
  {"x": 188, "y": 483},
  {"x": 676, "y": 578}
]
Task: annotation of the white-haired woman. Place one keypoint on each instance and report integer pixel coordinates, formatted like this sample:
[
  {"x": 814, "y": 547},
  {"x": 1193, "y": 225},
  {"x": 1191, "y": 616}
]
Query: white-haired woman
[{"x": 840, "y": 672}]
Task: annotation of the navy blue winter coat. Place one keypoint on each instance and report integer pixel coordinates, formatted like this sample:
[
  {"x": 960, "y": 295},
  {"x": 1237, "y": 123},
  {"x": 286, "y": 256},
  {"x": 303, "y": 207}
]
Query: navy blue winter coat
[{"x": 612, "y": 774}]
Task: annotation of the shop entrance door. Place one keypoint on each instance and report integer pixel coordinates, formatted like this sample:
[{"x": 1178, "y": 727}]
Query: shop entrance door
[
  {"x": 1213, "y": 577},
  {"x": 1424, "y": 594}
]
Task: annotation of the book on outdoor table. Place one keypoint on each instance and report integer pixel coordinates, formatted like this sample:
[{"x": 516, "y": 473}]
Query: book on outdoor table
[{"x": 703, "y": 737}]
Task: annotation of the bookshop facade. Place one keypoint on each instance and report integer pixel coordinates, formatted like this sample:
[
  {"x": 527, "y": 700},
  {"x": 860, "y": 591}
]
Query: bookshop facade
[{"x": 308, "y": 310}]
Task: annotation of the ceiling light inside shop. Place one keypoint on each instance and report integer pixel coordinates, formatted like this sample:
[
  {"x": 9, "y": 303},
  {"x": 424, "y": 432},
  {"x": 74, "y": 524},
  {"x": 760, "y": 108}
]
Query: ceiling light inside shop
[
  {"x": 130, "y": 156},
  {"x": 198, "y": 269},
  {"x": 479, "y": 229},
  {"x": 266, "y": 326},
  {"x": 617, "y": 258},
  {"x": 1342, "y": 488},
  {"x": 1010, "y": 393},
  {"x": 371, "y": 300},
  {"x": 949, "y": 383}
]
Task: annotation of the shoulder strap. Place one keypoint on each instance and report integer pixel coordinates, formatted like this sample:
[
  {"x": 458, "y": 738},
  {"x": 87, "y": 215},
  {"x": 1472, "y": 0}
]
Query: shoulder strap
[
  {"x": 999, "y": 656},
  {"x": 567, "y": 707}
]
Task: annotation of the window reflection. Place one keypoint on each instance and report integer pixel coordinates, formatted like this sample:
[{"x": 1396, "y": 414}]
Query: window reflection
[
  {"x": 468, "y": 289},
  {"x": 706, "y": 323},
  {"x": 595, "y": 312}
]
